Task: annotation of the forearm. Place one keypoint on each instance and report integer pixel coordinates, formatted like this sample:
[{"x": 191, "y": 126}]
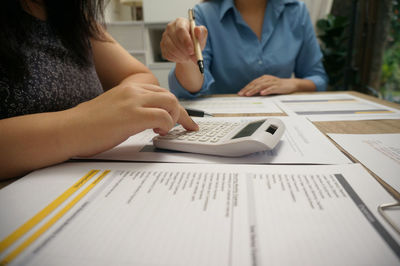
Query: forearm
[
  {"x": 34, "y": 141},
  {"x": 304, "y": 85},
  {"x": 143, "y": 78},
  {"x": 189, "y": 76},
  {"x": 114, "y": 65}
]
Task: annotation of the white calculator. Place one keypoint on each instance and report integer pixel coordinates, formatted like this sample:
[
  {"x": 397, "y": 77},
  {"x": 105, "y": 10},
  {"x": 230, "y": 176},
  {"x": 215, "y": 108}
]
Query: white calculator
[{"x": 224, "y": 138}]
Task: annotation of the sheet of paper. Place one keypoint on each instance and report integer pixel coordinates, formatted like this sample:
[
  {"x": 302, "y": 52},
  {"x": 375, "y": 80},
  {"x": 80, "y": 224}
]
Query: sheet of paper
[
  {"x": 234, "y": 105},
  {"x": 325, "y": 107},
  {"x": 317, "y": 118},
  {"x": 193, "y": 214},
  {"x": 302, "y": 143},
  {"x": 380, "y": 153}
]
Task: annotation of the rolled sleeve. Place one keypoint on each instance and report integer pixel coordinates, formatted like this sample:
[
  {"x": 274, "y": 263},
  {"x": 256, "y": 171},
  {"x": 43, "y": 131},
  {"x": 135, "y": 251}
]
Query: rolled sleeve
[
  {"x": 180, "y": 92},
  {"x": 319, "y": 82},
  {"x": 318, "y": 76},
  {"x": 309, "y": 60},
  {"x": 174, "y": 85}
]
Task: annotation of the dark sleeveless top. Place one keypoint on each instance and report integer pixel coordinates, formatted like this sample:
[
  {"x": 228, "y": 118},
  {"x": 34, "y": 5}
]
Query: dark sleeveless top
[{"x": 57, "y": 80}]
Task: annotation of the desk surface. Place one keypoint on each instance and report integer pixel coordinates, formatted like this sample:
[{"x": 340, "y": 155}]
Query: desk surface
[{"x": 349, "y": 127}]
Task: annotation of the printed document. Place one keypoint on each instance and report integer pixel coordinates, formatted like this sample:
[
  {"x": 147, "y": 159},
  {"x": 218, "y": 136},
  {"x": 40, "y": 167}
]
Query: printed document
[
  {"x": 195, "y": 214},
  {"x": 321, "y": 107},
  {"x": 233, "y": 105},
  {"x": 302, "y": 143},
  {"x": 380, "y": 153},
  {"x": 325, "y": 118}
]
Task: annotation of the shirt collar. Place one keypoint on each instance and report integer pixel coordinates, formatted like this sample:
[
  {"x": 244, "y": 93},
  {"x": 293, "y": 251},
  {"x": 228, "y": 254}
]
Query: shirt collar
[
  {"x": 284, "y": 2},
  {"x": 226, "y": 5},
  {"x": 279, "y": 5}
]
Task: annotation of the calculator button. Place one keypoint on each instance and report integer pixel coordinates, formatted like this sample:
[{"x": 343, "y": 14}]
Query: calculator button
[{"x": 209, "y": 132}]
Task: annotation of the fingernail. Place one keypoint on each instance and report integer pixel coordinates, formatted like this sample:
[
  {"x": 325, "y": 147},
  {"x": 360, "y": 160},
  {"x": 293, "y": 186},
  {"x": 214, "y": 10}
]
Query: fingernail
[
  {"x": 202, "y": 32},
  {"x": 196, "y": 125}
]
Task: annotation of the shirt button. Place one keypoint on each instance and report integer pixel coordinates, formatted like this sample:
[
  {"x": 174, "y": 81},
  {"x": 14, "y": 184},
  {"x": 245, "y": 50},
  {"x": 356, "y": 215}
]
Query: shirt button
[{"x": 259, "y": 62}]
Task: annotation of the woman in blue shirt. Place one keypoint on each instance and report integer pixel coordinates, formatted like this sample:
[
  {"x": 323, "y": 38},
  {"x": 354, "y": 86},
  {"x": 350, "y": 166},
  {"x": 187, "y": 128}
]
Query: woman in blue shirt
[{"x": 253, "y": 47}]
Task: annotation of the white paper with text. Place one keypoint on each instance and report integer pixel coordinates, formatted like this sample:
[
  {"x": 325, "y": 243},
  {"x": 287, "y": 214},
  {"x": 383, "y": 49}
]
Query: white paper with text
[{"x": 192, "y": 214}]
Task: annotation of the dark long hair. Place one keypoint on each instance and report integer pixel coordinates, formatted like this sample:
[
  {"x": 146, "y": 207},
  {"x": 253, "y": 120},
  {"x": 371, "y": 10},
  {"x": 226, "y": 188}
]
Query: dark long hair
[{"x": 74, "y": 21}]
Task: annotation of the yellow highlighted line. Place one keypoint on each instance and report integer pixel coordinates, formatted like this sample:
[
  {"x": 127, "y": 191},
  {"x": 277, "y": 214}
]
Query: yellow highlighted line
[
  {"x": 52, "y": 221},
  {"x": 374, "y": 112},
  {"x": 9, "y": 240}
]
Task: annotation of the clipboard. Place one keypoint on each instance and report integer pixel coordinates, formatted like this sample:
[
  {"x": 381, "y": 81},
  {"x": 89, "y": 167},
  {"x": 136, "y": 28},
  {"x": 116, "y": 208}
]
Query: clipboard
[
  {"x": 384, "y": 207},
  {"x": 388, "y": 206}
]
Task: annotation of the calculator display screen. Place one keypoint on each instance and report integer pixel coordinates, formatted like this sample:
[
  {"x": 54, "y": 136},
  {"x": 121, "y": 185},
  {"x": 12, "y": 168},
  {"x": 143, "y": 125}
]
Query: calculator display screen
[{"x": 248, "y": 130}]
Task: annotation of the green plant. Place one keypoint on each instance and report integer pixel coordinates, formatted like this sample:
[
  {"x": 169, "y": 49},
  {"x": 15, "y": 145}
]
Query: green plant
[
  {"x": 391, "y": 65},
  {"x": 333, "y": 36},
  {"x": 395, "y": 22},
  {"x": 390, "y": 79}
]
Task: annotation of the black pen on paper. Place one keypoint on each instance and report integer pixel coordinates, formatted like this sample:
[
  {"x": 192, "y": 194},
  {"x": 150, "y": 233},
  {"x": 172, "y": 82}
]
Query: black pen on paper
[{"x": 197, "y": 113}]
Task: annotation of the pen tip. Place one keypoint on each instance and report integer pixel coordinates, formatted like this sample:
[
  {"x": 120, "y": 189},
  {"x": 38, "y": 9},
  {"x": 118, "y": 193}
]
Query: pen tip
[{"x": 201, "y": 66}]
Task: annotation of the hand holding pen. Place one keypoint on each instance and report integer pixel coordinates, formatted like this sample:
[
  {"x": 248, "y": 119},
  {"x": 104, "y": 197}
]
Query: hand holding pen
[{"x": 178, "y": 45}]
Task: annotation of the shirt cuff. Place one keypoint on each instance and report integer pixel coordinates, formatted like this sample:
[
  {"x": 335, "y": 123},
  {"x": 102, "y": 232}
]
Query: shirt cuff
[
  {"x": 319, "y": 82},
  {"x": 180, "y": 92}
]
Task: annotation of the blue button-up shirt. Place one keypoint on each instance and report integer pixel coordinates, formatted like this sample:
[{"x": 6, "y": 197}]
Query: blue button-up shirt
[{"x": 234, "y": 56}]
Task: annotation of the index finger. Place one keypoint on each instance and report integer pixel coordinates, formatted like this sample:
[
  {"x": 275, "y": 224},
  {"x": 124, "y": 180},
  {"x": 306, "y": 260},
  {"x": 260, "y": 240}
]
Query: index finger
[
  {"x": 185, "y": 120},
  {"x": 201, "y": 35},
  {"x": 248, "y": 87},
  {"x": 183, "y": 34}
]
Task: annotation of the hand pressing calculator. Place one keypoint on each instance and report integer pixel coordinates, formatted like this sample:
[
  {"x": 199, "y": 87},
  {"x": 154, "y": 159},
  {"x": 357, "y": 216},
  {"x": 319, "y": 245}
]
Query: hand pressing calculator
[{"x": 224, "y": 138}]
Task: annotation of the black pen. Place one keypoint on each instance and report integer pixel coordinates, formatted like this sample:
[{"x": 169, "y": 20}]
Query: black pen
[
  {"x": 197, "y": 113},
  {"x": 197, "y": 48}
]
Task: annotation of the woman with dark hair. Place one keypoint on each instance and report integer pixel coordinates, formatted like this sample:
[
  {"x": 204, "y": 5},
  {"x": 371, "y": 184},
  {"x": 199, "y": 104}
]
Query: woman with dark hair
[
  {"x": 253, "y": 48},
  {"x": 56, "y": 60}
]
